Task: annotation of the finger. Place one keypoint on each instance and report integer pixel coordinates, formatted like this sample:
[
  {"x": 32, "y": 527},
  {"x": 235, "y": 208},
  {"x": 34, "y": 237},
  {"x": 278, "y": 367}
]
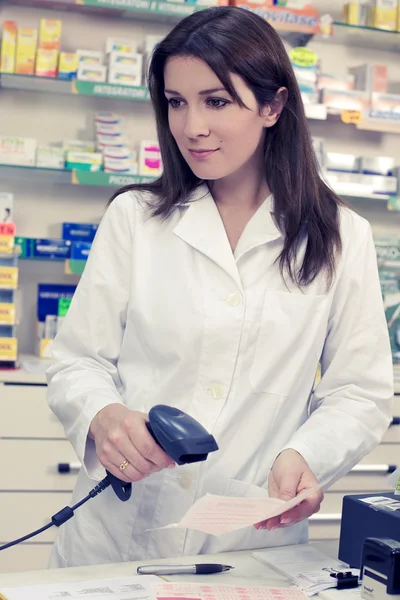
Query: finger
[
  {"x": 270, "y": 524},
  {"x": 151, "y": 451},
  {"x": 303, "y": 511},
  {"x": 133, "y": 456},
  {"x": 112, "y": 459},
  {"x": 288, "y": 486}
]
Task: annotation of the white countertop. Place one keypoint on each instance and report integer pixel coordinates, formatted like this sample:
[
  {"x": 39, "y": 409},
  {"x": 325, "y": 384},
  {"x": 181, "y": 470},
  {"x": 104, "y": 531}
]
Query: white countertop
[{"x": 248, "y": 571}]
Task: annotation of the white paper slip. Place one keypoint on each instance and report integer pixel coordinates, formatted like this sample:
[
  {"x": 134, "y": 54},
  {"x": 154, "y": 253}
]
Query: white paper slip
[
  {"x": 121, "y": 588},
  {"x": 217, "y": 515},
  {"x": 198, "y": 591},
  {"x": 305, "y": 566}
]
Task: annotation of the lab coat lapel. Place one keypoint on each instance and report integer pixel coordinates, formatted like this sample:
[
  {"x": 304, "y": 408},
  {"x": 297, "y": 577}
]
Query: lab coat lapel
[
  {"x": 261, "y": 229},
  {"x": 201, "y": 226}
]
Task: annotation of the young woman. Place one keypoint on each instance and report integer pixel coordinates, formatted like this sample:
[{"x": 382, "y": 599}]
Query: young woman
[{"x": 218, "y": 289}]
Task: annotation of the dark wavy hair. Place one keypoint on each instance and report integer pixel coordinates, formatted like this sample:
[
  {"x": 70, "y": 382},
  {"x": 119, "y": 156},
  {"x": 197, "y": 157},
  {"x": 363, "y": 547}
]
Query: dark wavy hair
[{"x": 234, "y": 40}]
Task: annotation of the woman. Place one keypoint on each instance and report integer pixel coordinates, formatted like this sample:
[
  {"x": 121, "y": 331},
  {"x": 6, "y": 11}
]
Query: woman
[{"x": 218, "y": 289}]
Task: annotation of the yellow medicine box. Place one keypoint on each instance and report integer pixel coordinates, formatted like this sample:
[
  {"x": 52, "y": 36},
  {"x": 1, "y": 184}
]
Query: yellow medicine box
[
  {"x": 8, "y": 47},
  {"x": 46, "y": 63},
  {"x": 50, "y": 34},
  {"x": 26, "y": 51},
  {"x": 383, "y": 14}
]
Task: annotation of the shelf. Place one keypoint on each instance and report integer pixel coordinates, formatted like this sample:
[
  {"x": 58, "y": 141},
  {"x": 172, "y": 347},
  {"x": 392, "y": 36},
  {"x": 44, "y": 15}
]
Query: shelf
[
  {"x": 170, "y": 12},
  {"x": 53, "y": 85},
  {"x": 55, "y": 177},
  {"x": 101, "y": 179},
  {"x": 364, "y": 37}
]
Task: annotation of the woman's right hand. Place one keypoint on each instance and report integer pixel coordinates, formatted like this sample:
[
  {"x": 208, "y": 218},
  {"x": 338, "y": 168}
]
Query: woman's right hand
[{"x": 121, "y": 434}]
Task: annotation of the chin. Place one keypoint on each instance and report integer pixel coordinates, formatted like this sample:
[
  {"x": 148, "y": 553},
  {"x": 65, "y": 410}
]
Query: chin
[{"x": 208, "y": 173}]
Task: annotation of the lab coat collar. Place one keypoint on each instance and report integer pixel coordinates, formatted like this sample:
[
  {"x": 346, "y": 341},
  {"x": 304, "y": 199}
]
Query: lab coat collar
[{"x": 201, "y": 226}]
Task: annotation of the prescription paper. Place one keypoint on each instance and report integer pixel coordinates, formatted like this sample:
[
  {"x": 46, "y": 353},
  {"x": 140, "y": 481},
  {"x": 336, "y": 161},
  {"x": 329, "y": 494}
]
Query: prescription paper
[
  {"x": 193, "y": 591},
  {"x": 122, "y": 588},
  {"x": 217, "y": 515}
]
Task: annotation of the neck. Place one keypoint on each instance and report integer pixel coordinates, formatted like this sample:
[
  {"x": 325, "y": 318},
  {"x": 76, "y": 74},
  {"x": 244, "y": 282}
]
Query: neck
[{"x": 246, "y": 188}]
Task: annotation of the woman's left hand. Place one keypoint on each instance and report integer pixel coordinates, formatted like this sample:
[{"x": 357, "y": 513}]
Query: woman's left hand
[{"x": 289, "y": 476}]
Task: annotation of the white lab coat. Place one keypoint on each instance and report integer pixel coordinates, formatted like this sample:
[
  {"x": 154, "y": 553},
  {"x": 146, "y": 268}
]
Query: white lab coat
[{"x": 165, "y": 313}]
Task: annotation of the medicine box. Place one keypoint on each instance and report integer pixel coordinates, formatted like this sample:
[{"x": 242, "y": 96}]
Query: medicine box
[
  {"x": 8, "y": 47},
  {"x": 79, "y": 232},
  {"x": 46, "y": 63},
  {"x": 50, "y": 34},
  {"x": 383, "y": 14},
  {"x": 68, "y": 65},
  {"x": 26, "y": 51}
]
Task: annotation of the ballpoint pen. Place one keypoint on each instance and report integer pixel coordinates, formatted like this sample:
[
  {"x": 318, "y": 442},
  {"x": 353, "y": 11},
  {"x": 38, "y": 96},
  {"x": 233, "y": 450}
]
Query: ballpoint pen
[{"x": 201, "y": 569}]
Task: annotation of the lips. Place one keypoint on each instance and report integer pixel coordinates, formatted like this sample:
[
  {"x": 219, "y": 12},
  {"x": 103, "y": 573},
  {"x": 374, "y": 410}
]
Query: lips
[{"x": 202, "y": 154}]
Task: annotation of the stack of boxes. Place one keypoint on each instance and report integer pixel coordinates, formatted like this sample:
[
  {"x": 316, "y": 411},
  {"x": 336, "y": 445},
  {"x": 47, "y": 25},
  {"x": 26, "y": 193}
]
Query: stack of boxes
[
  {"x": 8, "y": 283},
  {"x": 32, "y": 52}
]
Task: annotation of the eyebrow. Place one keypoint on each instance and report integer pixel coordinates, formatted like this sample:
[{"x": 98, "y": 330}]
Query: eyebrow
[{"x": 202, "y": 93}]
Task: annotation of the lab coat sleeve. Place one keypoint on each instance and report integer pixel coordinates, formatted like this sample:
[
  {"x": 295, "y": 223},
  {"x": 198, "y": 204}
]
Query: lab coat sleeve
[
  {"x": 83, "y": 378},
  {"x": 351, "y": 406}
]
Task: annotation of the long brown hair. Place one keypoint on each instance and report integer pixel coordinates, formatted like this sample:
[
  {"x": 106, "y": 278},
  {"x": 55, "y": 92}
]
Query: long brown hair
[{"x": 234, "y": 40}]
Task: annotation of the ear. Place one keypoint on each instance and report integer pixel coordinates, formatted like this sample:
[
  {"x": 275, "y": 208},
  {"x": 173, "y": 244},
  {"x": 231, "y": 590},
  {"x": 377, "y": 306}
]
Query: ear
[{"x": 272, "y": 112}]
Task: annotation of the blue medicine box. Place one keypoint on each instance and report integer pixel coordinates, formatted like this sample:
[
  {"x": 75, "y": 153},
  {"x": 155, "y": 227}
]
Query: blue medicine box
[{"x": 79, "y": 232}]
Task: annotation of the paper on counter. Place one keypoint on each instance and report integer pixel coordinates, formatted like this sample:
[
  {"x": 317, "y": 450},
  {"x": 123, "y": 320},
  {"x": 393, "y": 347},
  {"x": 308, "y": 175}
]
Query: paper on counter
[
  {"x": 197, "y": 591},
  {"x": 217, "y": 515},
  {"x": 138, "y": 587},
  {"x": 304, "y": 565}
]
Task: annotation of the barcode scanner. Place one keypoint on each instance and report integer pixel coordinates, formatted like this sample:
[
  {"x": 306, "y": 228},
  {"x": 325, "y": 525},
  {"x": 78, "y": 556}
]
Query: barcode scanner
[{"x": 181, "y": 437}]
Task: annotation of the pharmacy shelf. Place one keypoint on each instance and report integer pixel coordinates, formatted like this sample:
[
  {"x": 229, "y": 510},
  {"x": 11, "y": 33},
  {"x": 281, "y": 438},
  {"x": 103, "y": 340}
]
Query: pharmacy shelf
[
  {"x": 154, "y": 10},
  {"x": 51, "y": 85},
  {"x": 364, "y": 37},
  {"x": 101, "y": 179},
  {"x": 56, "y": 177}
]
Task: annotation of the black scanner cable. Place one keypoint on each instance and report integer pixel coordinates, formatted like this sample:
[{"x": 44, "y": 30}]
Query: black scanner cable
[
  {"x": 63, "y": 515},
  {"x": 180, "y": 436}
]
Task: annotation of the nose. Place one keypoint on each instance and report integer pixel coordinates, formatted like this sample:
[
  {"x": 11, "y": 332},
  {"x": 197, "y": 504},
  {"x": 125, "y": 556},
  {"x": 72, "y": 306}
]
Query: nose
[{"x": 196, "y": 124}]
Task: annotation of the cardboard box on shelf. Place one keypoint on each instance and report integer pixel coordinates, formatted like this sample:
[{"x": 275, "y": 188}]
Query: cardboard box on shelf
[
  {"x": 68, "y": 65},
  {"x": 382, "y": 14},
  {"x": 8, "y": 47},
  {"x": 26, "y": 51},
  {"x": 46, "y": 63},
  {"x": 370, "y": 78},
  {"x": 50, "y": 34}
]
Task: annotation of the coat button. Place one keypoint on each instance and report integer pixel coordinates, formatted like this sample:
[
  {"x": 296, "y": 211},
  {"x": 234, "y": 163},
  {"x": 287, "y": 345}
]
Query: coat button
[
  {"x": 234, "y": 299},
  {"x": 185, "y": 481},
  {"x": 216, "y": 391}
]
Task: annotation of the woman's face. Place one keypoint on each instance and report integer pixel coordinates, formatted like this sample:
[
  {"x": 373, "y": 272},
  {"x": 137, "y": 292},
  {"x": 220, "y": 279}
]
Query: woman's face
[{"x": 214, "y": 134}]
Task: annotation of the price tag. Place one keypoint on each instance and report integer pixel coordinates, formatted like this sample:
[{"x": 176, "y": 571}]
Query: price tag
[
  {"x": 63, "y": 306},
  {"x": 352, "y": 117},
  {"x": 303, "y": 57}
]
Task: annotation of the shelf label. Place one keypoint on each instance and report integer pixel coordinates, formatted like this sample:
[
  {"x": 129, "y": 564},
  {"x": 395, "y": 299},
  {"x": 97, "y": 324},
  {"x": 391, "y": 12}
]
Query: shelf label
[
  {"x": 106, "y": 179},
  {"x": 107, "y": 90},
  {"x": 6, "y": 244},
  {"x": 8, "y": 278},
  {"x": 8, "y": 348},
  {"x": 7, "y": 313},
  {"x": 351, "y": 117},
  {"x": 168, "y": 8}
]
